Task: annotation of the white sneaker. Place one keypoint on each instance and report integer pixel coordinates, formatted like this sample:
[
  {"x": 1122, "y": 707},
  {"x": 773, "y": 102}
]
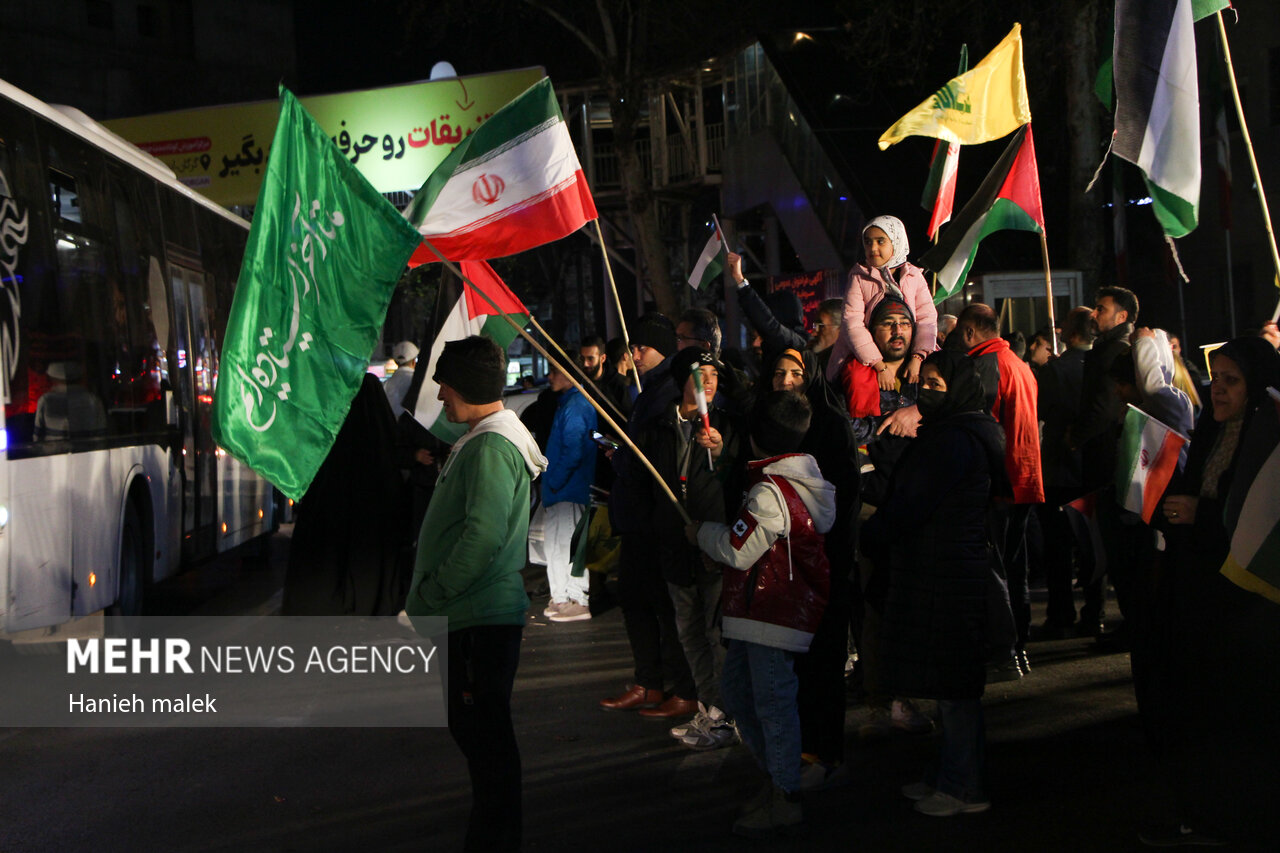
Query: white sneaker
[
  {"x": 571, "y": 611},
  {"x": 939, "y": 804},
  {"x": 697, "y": 723},
  {"x": 553, "y": 607},
  {"x": 917, "y": 790}
]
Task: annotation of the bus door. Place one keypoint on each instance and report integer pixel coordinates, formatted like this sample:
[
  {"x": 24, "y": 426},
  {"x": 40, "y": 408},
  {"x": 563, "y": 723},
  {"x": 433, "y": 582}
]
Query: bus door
[{"x": 195, "y": 370}]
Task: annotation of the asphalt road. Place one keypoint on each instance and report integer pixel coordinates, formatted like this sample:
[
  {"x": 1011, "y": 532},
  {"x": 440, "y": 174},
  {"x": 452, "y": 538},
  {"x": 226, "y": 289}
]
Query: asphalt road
[{"x": 1067, "y": 769}]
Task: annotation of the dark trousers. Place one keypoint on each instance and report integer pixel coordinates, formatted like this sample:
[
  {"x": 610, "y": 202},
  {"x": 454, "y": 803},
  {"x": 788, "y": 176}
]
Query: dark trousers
[
  {"x": 650, "y": 618},
  {"x": 481, "y": 670},
  {"x": 1010, "y": 538},
  {"x": 821, "y": 672},
  {"x": 1061, "y": 547}
]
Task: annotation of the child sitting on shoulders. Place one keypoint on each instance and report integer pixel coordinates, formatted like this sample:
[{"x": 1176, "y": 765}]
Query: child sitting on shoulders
[
  {"x": 885, "y": 273},
  {"x": 775, "y": 589}
]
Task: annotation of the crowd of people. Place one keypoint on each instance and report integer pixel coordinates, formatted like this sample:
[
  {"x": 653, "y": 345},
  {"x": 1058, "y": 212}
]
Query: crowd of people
[{"x": 882, "y": 484}]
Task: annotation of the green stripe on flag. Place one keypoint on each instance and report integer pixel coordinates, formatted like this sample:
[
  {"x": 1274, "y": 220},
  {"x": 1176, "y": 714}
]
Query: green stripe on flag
[
  {"x": 530, "y": 110},
  {"x": 1177, "y": 216}
]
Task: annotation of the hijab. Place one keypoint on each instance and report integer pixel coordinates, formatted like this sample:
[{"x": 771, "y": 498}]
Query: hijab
[
  {"x": 964, "y": 388},
  {"x": 897, "y": 233}
]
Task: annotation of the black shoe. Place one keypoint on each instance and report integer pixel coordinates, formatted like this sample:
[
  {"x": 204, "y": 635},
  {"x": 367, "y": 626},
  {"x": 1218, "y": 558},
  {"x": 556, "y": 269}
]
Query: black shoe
[
  {"x": 1007, "y": 670},
  {"x": 1090, "y": 628},
  {"x": 1180, "y": 836},
  {"x": 1048, "y": 631},
  {"x": 1112, "y": 642}
]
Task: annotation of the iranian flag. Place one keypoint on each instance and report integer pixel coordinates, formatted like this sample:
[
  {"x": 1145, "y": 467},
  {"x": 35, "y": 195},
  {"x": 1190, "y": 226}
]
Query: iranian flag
[
  {"x": 711, "y": 262},
  {"x": 940, "y": 189},
  {"x": 1009, "y": 198},
  {"x": 1148, "y": 456},
  {"x": 465, "y": 313},
  {"x": 1157, "y": 121},
  {"x": 512, "y": 185},
  {"x": 1254, "y": 560}
]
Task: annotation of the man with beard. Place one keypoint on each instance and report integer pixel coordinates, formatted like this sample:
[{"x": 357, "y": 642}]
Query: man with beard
[{"x": 1098, "y": 426}]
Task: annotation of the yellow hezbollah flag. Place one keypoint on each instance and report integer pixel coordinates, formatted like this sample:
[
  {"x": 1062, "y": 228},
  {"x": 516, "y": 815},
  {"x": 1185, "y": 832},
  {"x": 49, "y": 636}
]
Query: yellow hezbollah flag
[{"x": 985, "y": 103}]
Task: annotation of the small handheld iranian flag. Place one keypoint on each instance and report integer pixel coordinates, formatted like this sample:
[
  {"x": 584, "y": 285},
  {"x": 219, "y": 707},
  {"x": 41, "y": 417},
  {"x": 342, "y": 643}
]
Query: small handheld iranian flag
[
  {"x": 466, "y": 313},
  {"x": 1148, "y": 456},
  {"x": 712, "y": 260},
  {"x": 512, "y": 185},
  {"x": 700, "y": 396}
]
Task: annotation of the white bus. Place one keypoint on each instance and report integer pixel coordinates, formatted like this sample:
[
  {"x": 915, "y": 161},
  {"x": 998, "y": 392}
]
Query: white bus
[{"x": 116, "y": 285}]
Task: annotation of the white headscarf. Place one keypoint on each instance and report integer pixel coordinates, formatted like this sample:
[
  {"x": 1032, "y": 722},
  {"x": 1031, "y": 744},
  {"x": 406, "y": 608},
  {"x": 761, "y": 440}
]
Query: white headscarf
[{"x": 897, "y": 233}]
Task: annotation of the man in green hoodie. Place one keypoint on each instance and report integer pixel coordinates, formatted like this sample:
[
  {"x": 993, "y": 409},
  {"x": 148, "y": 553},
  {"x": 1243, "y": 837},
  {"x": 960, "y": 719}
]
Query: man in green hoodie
[{"x": 470, "y": 554}]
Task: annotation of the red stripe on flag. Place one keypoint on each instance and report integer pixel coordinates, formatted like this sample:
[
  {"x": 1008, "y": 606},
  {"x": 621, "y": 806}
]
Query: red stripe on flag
[
  {"x": 1159, "y": 474},
  {"x": 1022, "y": 186},
  {"x": 483, "y": 277},
  {"x": 550, "y": 215}
]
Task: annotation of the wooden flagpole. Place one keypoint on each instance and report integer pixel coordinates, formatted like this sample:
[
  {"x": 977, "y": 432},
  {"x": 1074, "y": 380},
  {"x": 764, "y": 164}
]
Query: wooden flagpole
[
  {"x": 1253, "y": 159},
  {"x": 613, "y": 285},
  {"x": 619, "y": 431},
  {"x": 1048, "y": 292}
]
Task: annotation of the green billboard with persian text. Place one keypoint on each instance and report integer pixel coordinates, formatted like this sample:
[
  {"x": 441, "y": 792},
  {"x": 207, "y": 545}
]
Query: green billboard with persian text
[{"x": 395, "y": 136}]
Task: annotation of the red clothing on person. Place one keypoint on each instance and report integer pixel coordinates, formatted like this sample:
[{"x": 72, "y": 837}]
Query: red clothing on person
[{"x": 1015, "y": 409}]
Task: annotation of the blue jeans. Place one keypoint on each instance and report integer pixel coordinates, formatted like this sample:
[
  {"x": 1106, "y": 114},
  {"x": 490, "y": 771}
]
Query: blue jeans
[
  {"x": 964, "y": 749},
  {"x": 759, "y": 685}
]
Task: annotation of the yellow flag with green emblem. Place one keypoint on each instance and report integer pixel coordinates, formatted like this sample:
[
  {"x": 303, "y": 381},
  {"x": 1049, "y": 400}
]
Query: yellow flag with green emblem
[{"x": 985, "y": 103}]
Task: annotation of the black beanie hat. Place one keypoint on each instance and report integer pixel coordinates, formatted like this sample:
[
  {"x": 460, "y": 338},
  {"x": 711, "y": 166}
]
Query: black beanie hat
[
  {"x": 466, "y": 369},
  {"x": 890, "y": 304},
  {"x": 686, "y": 360},
  {"x": 657, "y": 333}
]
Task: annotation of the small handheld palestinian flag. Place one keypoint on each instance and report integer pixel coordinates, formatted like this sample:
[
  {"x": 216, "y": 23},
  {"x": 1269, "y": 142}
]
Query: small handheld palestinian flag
[
  {"x": 700, "y": 395},
  {"x": 712, "y": 261}
]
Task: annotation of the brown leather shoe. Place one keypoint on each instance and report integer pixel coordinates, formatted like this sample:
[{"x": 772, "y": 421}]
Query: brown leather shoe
[
  {"x": 673, "y": 707},
  {"x": 634, "y": 697}
]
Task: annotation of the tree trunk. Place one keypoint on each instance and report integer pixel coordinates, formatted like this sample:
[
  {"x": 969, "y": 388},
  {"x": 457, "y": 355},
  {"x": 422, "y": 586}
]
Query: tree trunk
[
  {"x": 624, "y": 110},
  {"x": 1085, "y": 241}
]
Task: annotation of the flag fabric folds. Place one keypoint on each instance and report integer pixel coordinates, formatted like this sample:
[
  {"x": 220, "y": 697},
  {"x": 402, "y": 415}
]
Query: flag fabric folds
[
  {"x": 710, "y": 263},
  {"x": 1009, "y": 198},
  {"x": 1157, "y": 120},
  {"x": 323, "y": 257},
  {"x": 985, "y": 103},
  {"x": 512, "y": 185},
  {"x": 463, "y": 313},
  {"x": 1254, "y": 560},
  {"x": 1146, "y": 460},
  {"x": 940, "y": 190}
]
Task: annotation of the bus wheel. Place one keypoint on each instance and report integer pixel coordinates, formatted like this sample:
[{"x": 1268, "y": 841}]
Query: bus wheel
[{"x": 132, "y": 574}]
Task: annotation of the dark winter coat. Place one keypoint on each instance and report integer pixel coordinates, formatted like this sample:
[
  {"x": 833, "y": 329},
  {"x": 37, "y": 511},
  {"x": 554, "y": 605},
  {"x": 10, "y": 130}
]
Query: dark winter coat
[
  {"x": 932, "y": 531},
  {"x": 1097, "y": 429}
]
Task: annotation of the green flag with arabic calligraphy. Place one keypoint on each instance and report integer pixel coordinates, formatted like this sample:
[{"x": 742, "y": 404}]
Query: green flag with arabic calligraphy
[{"x": 323, "y": 257}]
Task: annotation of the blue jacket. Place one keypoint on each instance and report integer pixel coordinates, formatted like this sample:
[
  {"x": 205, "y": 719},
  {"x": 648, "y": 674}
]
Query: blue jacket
[{"x": 571, "y": 454}]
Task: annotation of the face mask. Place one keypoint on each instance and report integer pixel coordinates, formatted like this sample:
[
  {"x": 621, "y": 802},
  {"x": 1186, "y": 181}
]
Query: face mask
[{"x": 930, "y": 402}]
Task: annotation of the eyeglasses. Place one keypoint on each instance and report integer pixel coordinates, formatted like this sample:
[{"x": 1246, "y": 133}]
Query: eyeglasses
[
  {"x": 685, "y": 339},
  {"x": 894, "y": 324}
]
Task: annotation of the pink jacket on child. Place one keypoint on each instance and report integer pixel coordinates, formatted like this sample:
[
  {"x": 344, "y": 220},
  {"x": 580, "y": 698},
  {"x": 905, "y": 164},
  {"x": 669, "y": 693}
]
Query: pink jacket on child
[{"x": 867, "y": 286}]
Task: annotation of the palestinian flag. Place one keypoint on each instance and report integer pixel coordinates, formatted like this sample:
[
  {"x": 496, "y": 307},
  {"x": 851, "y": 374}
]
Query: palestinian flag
[
  {"x": 1254, "y": 560},
  {"x": 465, "y": 312},
  {"x": 1157, "y": 122},
  {"x": 1147, "y": 458},
  {"x": 512, "y": 185},
  {"x": 711, "y": 262},
  {"x": 1009, "y": 198}
]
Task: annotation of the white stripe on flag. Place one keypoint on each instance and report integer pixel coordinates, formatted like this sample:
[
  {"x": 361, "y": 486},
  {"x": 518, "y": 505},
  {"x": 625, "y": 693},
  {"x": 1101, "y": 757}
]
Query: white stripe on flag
[
  {"x": 1170, "y": 153},
  {"x": 543, "y": 160},
  {"x": 709, "y": 253},
  {"x": 454, "y": 328}
]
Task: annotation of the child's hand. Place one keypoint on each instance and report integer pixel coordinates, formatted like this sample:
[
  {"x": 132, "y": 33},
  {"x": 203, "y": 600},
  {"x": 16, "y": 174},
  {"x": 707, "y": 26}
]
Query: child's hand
[
  {"x": 913, "y": 370},
  {"x": 712, "y": 440},
  {"x": 735, "y": 267},
  {"x": 884, "y": 375},
  {"x": 691, "y": 532}
]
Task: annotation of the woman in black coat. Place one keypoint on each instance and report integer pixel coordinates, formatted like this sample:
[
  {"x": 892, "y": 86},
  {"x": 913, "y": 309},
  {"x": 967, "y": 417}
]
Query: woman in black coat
[
  {"x": 931, "y": 532},
  {"x": 1215, "y": 649}
]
